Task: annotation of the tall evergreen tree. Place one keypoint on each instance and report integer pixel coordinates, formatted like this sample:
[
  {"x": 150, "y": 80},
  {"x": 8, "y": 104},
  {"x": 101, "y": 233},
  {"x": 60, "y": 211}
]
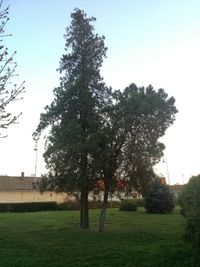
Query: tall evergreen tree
[{"x": 75, "y": 113}]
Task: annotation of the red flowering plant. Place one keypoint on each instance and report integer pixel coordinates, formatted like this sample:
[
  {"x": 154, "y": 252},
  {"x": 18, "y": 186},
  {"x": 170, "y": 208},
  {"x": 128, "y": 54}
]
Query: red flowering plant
[
  {"x": 119, "y": 188},
  {"x": 100, "y": 184},
  {"x": 98, "y": 187}
]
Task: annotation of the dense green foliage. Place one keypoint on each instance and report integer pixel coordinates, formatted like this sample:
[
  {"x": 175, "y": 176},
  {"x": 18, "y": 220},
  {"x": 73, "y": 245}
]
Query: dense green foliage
[
  {"x": 128, "y": 205},
  {"x": 75, "y": 111},
  {"x": 54, "y": 239},
  {"x": 190, "y": 204},
  {"x": 147, "y": 114},
  {"x": 130, "y": 144},
  {"x": 160, "y": 198}
]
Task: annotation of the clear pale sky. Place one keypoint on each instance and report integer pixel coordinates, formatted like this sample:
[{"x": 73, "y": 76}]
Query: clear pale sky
[{"x": 149, "y": 42}]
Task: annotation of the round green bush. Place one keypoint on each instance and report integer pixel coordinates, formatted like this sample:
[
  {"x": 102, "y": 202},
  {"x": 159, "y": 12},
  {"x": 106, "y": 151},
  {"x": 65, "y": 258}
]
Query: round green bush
[
  {"x": 190, "y": 207},
  {"x": 140, "y": 202},
  {"x": 128, "y": 205},
  {"x": 159, "y": 198},
  {"x": 190, "y": 197}
]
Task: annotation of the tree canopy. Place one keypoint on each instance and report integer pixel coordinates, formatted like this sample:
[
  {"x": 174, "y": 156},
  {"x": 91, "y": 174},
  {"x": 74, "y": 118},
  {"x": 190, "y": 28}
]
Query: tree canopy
[{"x": 130, "y": 144}]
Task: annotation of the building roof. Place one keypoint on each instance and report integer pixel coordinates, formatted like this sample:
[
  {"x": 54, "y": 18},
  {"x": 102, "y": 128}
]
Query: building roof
[{"x": 13, "y": 183}]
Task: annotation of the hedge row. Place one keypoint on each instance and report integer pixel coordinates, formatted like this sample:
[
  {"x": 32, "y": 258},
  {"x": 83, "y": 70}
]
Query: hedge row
[
  {"x": 43, "y": 206},
  {"x": 28, "y": 206},
  {"x": 75, "y": 205},
  {"x": 70, "y": 205}
]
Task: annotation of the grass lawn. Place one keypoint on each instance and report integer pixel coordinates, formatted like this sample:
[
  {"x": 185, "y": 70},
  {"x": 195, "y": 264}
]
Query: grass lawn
[{"x": 132, "y": 239}]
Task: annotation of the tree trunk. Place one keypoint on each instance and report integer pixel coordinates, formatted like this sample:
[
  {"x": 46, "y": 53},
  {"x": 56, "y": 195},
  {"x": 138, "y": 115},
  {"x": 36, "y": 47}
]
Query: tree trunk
[
  {"x": 84, "y": 214},
  {"x": 104, "y": 208}
]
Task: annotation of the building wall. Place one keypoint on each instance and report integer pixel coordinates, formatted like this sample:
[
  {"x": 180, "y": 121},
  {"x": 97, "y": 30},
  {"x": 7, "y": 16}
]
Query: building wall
[{"x": 32, "y": 196}]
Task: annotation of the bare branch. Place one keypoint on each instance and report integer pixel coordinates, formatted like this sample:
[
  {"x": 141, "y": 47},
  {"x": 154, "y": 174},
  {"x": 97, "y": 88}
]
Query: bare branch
[{"x": 8, "y": 93}]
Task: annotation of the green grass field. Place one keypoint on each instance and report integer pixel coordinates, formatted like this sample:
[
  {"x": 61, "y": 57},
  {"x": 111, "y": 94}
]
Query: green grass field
[{"x": 132, "y": 239}]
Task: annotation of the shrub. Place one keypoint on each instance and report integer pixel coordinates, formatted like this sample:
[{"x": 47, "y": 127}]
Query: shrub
[
  {"x": 128, "y": 205},
  {"x": 28, "y": 206},
  {"x": 189, "y": 199},
  {"x": 190, "y": 208},
  {"x": 65, "y": 206},
  {"x": 75, "y": 205},
  {"x": 95, "y": 204},
  {"x": 139, "y": 202},
  {"x": 70, "y": 205},
  {"x": 114, "y": 204},
  {"x": 159, "y": 198}
]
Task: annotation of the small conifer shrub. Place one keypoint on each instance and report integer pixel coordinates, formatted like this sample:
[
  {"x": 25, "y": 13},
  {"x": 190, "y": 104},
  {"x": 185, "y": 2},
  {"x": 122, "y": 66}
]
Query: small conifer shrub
[{"x": 160, "y": 198}]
